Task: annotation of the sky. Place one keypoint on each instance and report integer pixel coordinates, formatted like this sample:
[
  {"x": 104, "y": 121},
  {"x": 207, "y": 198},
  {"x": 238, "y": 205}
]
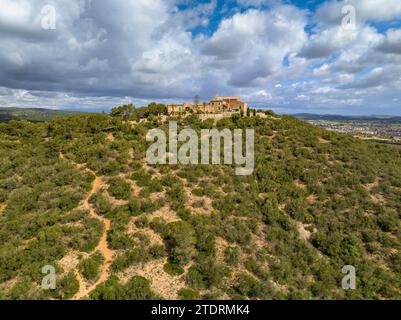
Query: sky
[{"x": 326, "y": 57}]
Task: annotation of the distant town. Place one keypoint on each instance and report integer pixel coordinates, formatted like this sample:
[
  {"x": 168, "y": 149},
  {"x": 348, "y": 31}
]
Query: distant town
[{"x": 380, "y": 129}]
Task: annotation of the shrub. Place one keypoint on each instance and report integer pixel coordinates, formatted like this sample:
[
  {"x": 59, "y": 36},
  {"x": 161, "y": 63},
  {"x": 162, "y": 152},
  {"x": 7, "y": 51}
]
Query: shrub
[
  {"x": 101, "y": 203},
  {"x": 194, "y": 279},
  {"x": 158, "y": 251},
  {"x": 388, "y": 222},
  {"x": 67, "y": 287},
  {"x": 188, "y": 294},
  {"x": 142, "y": 178},
  {"x": 180, "y": 237},
  {"x": 119, "y": 188},
  {"x": 134, "y": 206},
  {"x": 177, "y": 197},
  {"x": 142, "y": 223},
  {"x": 128, "y": 258},
  {"x": 148, "y": 206},
  {"x": 137, "y": 288},
  {"x": 184, "y": 213},
  {"x": 198, "y": 192},
  {"x": 90, "y": 267},
  {"x": 173, "y": 269},
  {"x": 118, "y": 239},
  {"x": 247, "y": 285},
  {"x": 232, "y": 255}
]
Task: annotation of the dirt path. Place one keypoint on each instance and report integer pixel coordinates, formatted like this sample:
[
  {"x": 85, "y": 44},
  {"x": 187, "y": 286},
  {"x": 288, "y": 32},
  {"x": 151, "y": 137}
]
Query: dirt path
[{"x": 103, "y": 247}]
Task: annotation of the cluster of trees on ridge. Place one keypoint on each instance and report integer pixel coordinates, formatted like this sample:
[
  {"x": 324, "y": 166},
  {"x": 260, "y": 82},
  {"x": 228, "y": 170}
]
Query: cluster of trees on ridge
[{"x": 130, "y": 112}]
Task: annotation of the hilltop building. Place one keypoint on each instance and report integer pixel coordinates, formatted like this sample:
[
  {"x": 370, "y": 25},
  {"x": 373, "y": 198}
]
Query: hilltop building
[{"x": 217, "y": 105}]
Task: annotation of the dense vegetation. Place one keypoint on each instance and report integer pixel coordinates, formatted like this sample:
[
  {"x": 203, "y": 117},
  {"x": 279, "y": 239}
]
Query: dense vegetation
[{"x": 316, "y": 201}]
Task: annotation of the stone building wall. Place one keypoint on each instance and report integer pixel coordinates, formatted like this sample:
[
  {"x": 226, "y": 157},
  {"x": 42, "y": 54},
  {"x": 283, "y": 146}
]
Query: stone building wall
[{"x": 218, "y": 105}]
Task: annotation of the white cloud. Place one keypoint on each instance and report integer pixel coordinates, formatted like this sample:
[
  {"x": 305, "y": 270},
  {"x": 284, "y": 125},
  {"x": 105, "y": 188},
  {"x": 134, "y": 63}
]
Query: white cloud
[
  {"x": 302, "y": 97},
  {"x": 324, "y": 90},
  {"x": 322, "y": 70},
  {"x": 333, "y": 39},
  {"x": 366, "y": 10},
  {"x": 106, "y": 52},
  {"x": 253, "y": 44},
  {"x": 392, "y": 42}
]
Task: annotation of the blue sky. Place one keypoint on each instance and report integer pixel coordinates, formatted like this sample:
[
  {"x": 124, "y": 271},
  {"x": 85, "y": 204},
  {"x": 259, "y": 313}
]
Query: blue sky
[
  {"x": 289, "y": 56},
  {"x": 227, "y": 8}
]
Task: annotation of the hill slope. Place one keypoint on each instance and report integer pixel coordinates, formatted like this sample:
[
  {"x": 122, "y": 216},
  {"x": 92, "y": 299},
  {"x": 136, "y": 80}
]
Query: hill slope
[
  {"x": 34, "y": 115},
  {"x": 317, "y": 201}
]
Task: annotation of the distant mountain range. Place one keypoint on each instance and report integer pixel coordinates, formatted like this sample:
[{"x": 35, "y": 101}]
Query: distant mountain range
[{"x": 31, "y": 114}]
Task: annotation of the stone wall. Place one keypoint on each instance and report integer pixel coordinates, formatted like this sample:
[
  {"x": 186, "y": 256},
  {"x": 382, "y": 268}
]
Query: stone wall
[{"x": 216, "y": 106}]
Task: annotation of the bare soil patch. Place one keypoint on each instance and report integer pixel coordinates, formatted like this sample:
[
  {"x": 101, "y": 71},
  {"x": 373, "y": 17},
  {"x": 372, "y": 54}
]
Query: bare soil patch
[
  {"x": 69, "y": 262},
  {"x": 300, "y": 184},
  {"x": 304, "y": 234},
  {"x": 312, "y": 198},
  {"x": 161, "y": 282},
  {"x": 165, "y": 213}
]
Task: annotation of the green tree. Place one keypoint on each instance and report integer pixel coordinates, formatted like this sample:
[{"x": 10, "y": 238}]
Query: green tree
[
  {"x": 119, "y": 188},
  {"x": 124, "y": 111},
  {"x": 180, "y": 237},
  {"x": 90, "y": 267},
  {"x": 67, "y": 287}
]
